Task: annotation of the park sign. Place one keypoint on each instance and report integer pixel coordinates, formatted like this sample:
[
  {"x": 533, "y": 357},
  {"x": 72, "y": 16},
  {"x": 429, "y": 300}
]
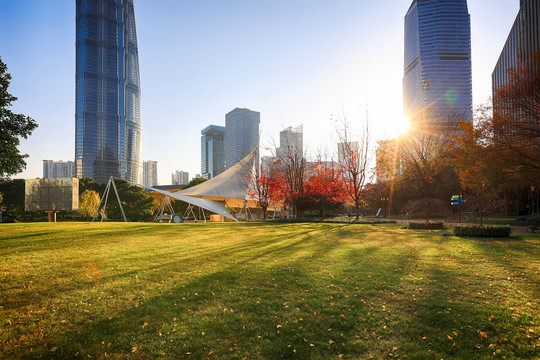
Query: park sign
[
  {"x": 51, "y": 194},
  {"x": 457, "y": 200}
]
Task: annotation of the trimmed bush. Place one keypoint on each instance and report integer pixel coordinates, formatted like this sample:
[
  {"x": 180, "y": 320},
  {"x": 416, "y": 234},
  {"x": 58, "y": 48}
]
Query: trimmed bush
[
  {"x": 486, "y": 231},
  {"x": 426, "y": 226}
]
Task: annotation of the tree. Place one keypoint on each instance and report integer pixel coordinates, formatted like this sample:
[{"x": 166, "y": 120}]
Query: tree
[
  {"x": 88, "y": 203},
  {"x": 12, "y": 127},
  {"x": 13, "y": 199},
  {"x": 424, "y": 155},
  {"x": 289, "y": 180},
  {"x": 355, "y": 158},
  {"x": 261, "y": 188},
  {"x": 137, "y": 203},
  {"x": 487, "y": 169},
  {"x": 516, "y": 120},
  {"x": 326, "y": 188}
]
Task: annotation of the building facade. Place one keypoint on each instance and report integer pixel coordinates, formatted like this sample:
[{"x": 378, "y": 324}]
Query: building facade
[
  {"x": 291, "y": 142},
  {"x": 241, "y": 135},
  {"x": 108, "y": 128},
  {"x": 522, "y": 44},
  {"x": 150, "y": 175},
  {"x": 437, "y": 83},
  {"x": 180, "y": 177},
  {"x": 58, "y": 169},
  {"x": 212, "y": 151}
]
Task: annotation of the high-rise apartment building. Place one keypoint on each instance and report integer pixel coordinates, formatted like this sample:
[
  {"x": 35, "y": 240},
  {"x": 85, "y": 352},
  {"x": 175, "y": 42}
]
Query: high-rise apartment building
[
  {"x": 291, "y": 142},
  {"x": 108, "y": 126},
  {"x": 212, "y": 151},
  {"x": 150, "y": 177},
  {"x": 241, "y": 134},
  {"x": 58, "y": 169},
  {"x": 522, "y": 43},
  {"x": 437, "y": 84},
  {"x": 180, "y": 177}
]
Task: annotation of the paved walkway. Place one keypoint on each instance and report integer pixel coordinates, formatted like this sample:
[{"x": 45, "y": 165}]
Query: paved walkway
[{"x": 446, "y": 223}]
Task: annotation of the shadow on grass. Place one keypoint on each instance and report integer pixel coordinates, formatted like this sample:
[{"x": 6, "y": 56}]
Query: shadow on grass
[{"x": 313, "y": 293}]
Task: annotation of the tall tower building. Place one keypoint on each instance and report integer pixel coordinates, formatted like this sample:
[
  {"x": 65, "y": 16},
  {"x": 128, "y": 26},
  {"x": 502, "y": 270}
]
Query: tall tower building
[
  {"x": 108, "y": 126},
  {"x": 150, "y": 177},
  {"x": 212, "y": 151},
  {"x": 241, "y": 134},
  {"x": 437, "y": 83},
  {"x": 522, "y": 43},
  {"x": 291, "y": 141}
]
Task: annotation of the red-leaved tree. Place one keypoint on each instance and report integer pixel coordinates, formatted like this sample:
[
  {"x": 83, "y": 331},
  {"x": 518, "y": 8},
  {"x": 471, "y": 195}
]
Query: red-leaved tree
[{"x": 325, "y": 189}]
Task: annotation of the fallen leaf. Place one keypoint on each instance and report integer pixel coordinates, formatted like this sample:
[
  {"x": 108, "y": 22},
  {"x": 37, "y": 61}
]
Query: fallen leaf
[{"x": 484, "y": 335}]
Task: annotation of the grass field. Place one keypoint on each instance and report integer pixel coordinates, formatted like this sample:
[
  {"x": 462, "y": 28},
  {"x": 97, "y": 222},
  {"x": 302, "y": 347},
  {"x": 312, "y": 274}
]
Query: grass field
[{"x": 265, "y": 291}]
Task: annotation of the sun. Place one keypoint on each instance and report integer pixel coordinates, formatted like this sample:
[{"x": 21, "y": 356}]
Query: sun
[{"x": 397, "y": 125}]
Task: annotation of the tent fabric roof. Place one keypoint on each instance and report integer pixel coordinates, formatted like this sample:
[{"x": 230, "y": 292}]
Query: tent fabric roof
[
  {"x": 232, "y": 183},
  {"x": 210, "y": 205}
]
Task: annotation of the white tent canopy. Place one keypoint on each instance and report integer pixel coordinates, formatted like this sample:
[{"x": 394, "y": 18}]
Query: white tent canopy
[
  {"x": 230, "y": 184},
  {"x": 210, "y": 205}
]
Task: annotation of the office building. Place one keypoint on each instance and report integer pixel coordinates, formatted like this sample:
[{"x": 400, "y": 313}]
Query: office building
[
  {"x": 212, "y": 151},
  {"x": 291, "y": 142},
  {"x": 108, "y": 126},
  {"x": 58, "y": 169},
  {"x": 437, "y": 84},
  {"x": 241, "y": 135},
  {"x": 150, "y": 176},
  {"x": 180, "y": 177},
  {"x": 518, "y": 52}
]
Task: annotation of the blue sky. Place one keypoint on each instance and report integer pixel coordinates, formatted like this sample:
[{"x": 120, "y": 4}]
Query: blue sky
[{"x": 296, "y": 61}]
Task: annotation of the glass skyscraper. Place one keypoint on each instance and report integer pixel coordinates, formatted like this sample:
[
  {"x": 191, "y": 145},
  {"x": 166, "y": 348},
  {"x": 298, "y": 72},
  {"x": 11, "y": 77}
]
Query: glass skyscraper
[
  {"x": 212, "y": 151},
  {"x": 108, "y": 126},
  {"x": 241, "y": 134},
  {"x": 437, "y": 84},
  {"x": 522, "y": 43}
]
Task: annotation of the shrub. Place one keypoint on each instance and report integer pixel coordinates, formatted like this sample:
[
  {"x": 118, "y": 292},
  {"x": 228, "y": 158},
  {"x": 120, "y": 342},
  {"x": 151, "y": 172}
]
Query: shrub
[
  {"x": 426, "y": 226},
  {"x": 486, "y": 231}
]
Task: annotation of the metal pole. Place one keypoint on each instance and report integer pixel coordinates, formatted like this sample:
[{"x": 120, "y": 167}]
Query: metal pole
[
  {"x": 106, "y": 194},
  {"x": 118, "y": 198},
  {"x": 100, "y": 202}
]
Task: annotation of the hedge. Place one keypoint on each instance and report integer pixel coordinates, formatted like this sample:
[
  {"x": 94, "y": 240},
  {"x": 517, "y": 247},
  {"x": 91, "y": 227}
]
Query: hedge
[
  {"x": 486, "y": 231},
  {"x": 426, "y": 226}
]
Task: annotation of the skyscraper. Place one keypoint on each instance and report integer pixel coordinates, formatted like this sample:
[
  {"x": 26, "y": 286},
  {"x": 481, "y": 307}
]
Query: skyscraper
[
  {"x": 212, "y": 151},
  {"x": 522, "y": 43},
  {"x": 150, "y": 177},
  {"x": 108, "y": 126},
  {"x": 437, "y": 84},
  {"x": 291, "y": 141},
  {"x": 241, "y": 134}
]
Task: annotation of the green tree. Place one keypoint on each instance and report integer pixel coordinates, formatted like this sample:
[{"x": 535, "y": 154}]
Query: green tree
[
  {"x": 13, "y": 200},
  {"x": 12, "y": 127},
  {"x": 136, "y": 202},
  {"x": 88, "y": 203},
  {"x": 90, "y": 184}
]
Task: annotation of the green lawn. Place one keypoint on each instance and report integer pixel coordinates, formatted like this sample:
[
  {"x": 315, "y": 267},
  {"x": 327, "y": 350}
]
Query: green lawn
[{"x": 265, "y": 291}]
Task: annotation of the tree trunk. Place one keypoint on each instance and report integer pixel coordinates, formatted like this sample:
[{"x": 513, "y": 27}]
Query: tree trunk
[{"x": 265, "y": 212}]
